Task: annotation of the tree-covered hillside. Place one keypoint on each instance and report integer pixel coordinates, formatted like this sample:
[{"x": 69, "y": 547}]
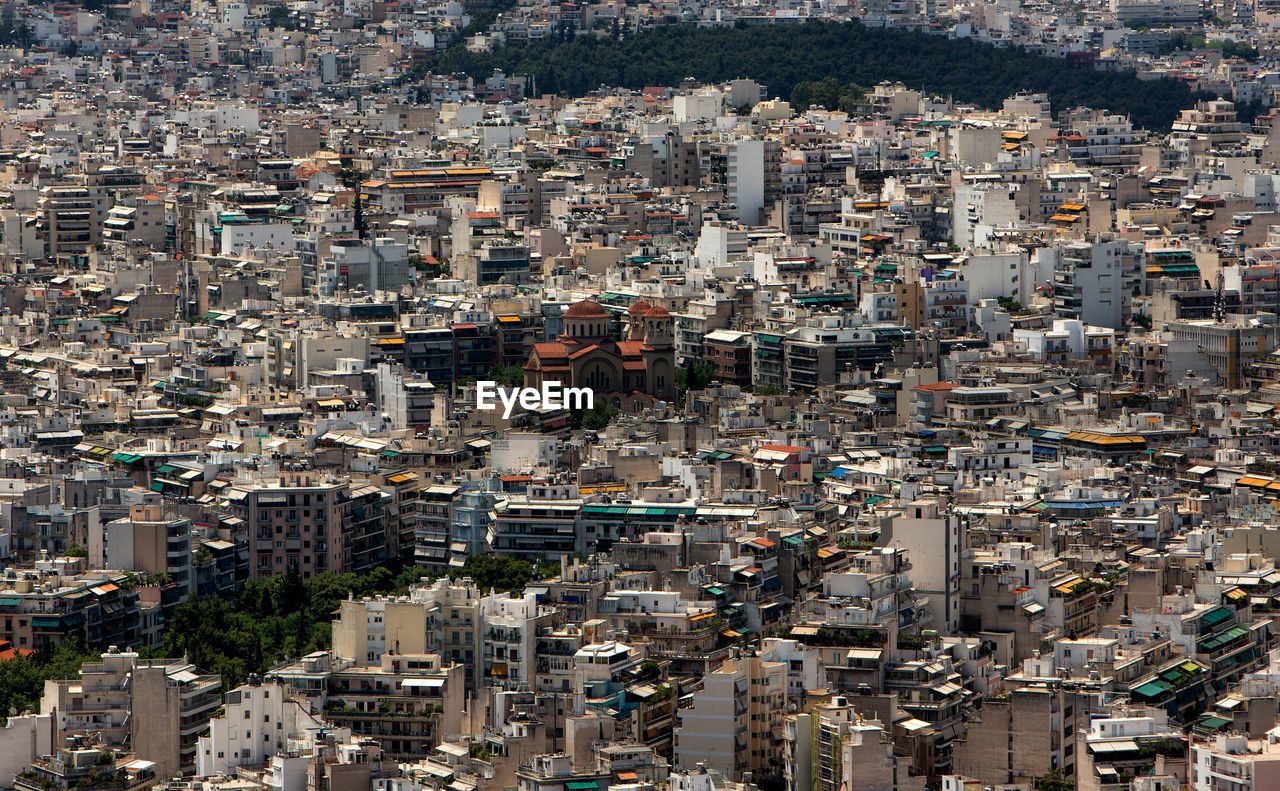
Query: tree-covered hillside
[{"x": 780, "y": 56}]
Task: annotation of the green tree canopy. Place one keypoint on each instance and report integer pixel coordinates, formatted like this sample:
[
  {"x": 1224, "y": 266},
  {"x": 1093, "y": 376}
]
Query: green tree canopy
[
  {"x": 830, "y": 94},
  {"x": 287, "y": 616},
  {"x": 787, "y": 55}
]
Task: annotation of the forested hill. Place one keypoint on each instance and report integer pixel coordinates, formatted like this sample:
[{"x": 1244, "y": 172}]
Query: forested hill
[{"x": 780, "y": 56}]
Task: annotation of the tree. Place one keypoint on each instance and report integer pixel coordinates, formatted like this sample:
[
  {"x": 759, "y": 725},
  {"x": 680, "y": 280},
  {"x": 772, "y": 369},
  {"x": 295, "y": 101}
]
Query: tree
[
  {"x": 507, "y": 375},
  {"x": 1054, "y": 781},
  {"x": 829, "y": 93},
  {"x": 22, "y": 677},
  {"x": 287, "y": 616},
  {"x": 76, "y": 551},
  {"x": 599, "y": 416},
  {"x": 351, "y": 180},
  {"x": 1009, "y": 304},
  {"x": 278, "y": 17},
  {"x": 695, "y": 376},
  {"x": 830, "y": 58}
]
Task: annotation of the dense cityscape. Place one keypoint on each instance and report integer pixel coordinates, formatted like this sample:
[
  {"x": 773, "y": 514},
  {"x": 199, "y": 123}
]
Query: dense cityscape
[{"x": 640, "y": 395}]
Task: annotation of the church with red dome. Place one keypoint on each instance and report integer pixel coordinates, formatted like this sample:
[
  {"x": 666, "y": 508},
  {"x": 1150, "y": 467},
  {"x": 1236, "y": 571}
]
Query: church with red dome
[{"x": 630, "y": 373}]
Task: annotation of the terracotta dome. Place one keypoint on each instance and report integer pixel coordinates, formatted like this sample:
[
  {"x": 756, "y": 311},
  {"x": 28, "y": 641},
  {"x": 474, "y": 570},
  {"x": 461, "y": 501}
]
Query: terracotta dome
[
  {"x": 639, "y": 309},
  {"x": 657, "y": 312},
  {"x": 586, "y": 309}
]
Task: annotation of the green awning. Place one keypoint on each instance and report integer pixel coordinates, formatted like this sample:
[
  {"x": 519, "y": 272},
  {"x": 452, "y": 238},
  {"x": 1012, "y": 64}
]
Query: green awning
[
  {"x": 581, "y": 785},
  {"x": 126, "y": 458},
  {"x": 1214, "y": 643},
  {"x": 157, "y": 486},
  {"x": 1217, "y": 615},
  {"x": 1213, "y": 722},
  {"x": 1234, "y": 632},
  {"x": 1153, "y": 689},
  {"x": 46, "y": 622},
  {"x": 935, "y": 449},
  {"x": 9, "y": 601},
  {"x": 714, "y": 591}
]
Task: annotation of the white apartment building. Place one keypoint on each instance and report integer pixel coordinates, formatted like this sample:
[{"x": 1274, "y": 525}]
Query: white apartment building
[
  {"x": 259, "y": 721},
  {"x": 1234, "y": 762}
]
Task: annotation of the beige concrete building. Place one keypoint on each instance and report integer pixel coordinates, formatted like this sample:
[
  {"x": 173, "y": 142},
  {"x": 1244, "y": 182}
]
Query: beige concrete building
[
  {"x": 146, "y": 541},
  {"x": 735, "y": 721},
  {"x": 155, "y": 707},
  {"x": 1022, "y": 735},
  {"x": 441, "y": 618},
  {"x": 314, "y": 525},
  {"x": 408, "y": 702}
]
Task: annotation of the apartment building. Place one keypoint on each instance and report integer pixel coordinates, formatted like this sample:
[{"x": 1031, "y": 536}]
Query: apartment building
[
  {"x": 826, "y": 346},
  {"x": 409, "y": 702},
  {"x": 1128, "y": 743},
  {"x": 70, "y": 217},
  {"x": 1025, "y": 735},
  {"x": 542, "y": 522},
  {"x": 363, "y": 264},
  {"x": 90, "y": 769},
  {"x": 730, "y": 352},
  {"x": 57, "y": 599},
  {"x": 138, "y": 218},
  {"x": 1095, "y": 282},
  {"x": 156, "y": 707},
  {"x": 258, "y": 721},
  {"x": 444, "y": 617},
  {"x": 314, "y": 525},
  {"x": 735, "y": 719},
  {"x": 834, "y": 748},
  {"x": 1213, "y": 121},
  {"x": 1236, "y": 762},
  {"x": 147, "y": 541}
]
